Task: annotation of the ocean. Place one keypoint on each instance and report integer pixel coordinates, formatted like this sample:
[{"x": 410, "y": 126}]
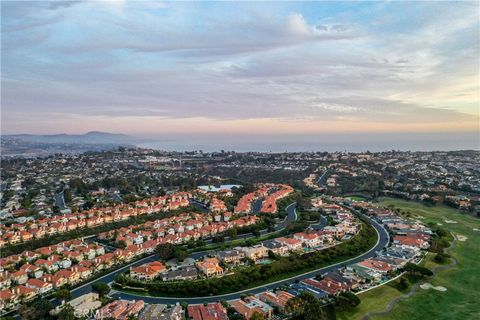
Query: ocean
[{"x": 356, "y": 142}]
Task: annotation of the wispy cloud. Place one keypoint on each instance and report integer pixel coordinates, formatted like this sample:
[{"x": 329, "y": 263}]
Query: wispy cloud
[{"x": 382, "y": 63}]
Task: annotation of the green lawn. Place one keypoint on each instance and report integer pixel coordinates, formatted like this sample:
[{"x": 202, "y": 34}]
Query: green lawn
[
  {"x": 373, "y": 300},
  {"x": 460, "y": 301}
]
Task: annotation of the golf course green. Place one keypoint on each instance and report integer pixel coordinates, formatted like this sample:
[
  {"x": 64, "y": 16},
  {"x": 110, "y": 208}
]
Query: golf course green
[{"x": 462, "y": 282}]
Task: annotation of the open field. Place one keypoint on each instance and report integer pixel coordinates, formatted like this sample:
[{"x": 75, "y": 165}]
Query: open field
[{"x": 460, "y": 301}]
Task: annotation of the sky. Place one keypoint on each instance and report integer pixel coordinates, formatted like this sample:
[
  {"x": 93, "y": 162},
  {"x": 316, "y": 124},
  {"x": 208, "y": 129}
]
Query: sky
[{"x": 240, "y": 68}]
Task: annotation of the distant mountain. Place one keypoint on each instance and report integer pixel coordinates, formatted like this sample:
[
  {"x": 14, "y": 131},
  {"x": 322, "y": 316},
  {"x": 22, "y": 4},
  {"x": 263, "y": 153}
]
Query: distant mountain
[{"x": 93, "y": 137}]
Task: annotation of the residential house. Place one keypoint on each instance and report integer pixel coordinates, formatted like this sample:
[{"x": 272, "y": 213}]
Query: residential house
[
  {"x": 276, "y": 247},
  {"x": 19, "y": 277},
  {"x": 231, "y": 256},
  {"x": 148, "y": 271},
  {"x": 183, "y": 273},
  {"x": 210, "y": 311},
  {"x": 255, "y": 252},
  {"x": 291, "y": 243},
  {"x": 40, "y": 286},
  {"x": 251, "y": 305},
  {"x": 310, "y": 240},
  {"x": 120, "y": 309},
  {"x": 210, "y": 267},
  {"x": 277, "y": 299},
  {"x": 24, "y": 292}
]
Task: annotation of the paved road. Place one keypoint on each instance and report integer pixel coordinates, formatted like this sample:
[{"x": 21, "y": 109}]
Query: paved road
[
  {"x": 257, "y": 205},
  {"x": 383, "y": 239},
  {"x": 60, "y": 201},
  {"x": 382, "y": 242},
  {"x": 199, "y": 205},
  {"x": 322, "y": 178},
  {"x": 86, "y": 288}
]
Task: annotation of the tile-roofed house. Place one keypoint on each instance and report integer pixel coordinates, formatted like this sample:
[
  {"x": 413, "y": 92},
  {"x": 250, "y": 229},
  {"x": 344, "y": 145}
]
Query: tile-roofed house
[
  {"x": 276, "y": 247},
  {"x": 56, "y": 280},
  {"x": 251, "y": 305},
  {"x": 310, "y": 240},
  {"x": 24, "y": 292},
  {"x": 71, "y": 276},
  {"x": 255, "y": 252},
  {"x": 291, "y": 243},
  {"x": 8, "y": 299},
  {"x": 120, "y": 309},
  {"x": 40, "y": 286},
  {"x": 277, "y": 299},
  {"x": 211, "y": 311},
  {"x": 410, "y": 241},
  {"x": 148, "y": 271},
  {"x": 5, "y": 279},
  {"x": 376, "y": 265},
  {"x": 20, "y": 276},
  {"x": 210, "y": 267},
  {"x": 33, "y": 270}
]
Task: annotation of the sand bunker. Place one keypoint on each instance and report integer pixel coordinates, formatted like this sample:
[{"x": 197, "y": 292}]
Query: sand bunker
[
  {"x": 450, "y": 221},
  {"x": 427, "y": 286},
  {"x": 461, "y": 238},
  {"x": 439, "y": 224},
  {"x": 475, "y": 229}
]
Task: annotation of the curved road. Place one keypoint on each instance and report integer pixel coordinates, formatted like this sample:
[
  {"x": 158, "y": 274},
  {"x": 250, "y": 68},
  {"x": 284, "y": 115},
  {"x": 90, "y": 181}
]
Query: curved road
[
  {"x": 382, "y": 242},
  {"x": 86, "y": 288}
]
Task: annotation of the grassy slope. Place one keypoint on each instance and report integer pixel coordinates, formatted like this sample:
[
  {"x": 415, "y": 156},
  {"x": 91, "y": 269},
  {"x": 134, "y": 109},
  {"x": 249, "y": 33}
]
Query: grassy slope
[{"x": 461, "y": 299}]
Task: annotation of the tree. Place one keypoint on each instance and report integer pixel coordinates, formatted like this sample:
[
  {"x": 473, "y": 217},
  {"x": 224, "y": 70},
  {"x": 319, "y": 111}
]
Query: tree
[
  {"x": 37, "y": 310},
  {"x": 312, "y": 309},
  {"x": 184, "y": 305},
  {"x": 63, "y": 294},
  {"x": 191, "y": 244},
  {"x": 232, "y": 233},
  {"x": 67, "y": 313},
  {"x": 257, "y": 316},
  {"x": 218, "y": 239},
  {"x": 441, "y": 257},
  {"x": 346, "y": 301},
  {"x": 294, "y": 306},
  {"x": 101, "y": 288},
  {"x": 181, "y": 254},
  {"x": 305, "y": 307},
  {"x": 403, "y": 284},
  {"x": 166, "y": 251},
  {"x": 412, "y": 268},
  {"x": 441, "y": 232},
  {"x": 272, "y": 255}
]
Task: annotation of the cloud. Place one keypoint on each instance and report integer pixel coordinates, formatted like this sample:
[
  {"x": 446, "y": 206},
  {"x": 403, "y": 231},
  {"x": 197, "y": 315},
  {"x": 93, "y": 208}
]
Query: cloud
[
  {"x": 297, "y": 26},
  {"x": 178, "y": 61}
]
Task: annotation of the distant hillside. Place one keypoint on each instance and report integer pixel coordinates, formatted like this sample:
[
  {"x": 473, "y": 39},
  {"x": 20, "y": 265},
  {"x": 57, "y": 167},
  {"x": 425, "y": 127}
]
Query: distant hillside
[{"x": 93, "y": 137}]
